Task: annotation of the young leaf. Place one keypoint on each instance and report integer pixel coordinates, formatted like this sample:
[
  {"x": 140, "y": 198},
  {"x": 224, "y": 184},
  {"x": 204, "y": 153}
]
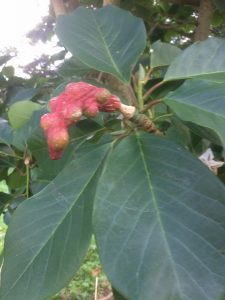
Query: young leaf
[
  {"x": 201, "y": 102},
  {"x": 163, "y": 54},
  {"x": 20, "y": 112},
  {"x": 159, "y": 222},
  {"x": 202, "y": 59},
  {"x": 100, "y": 42},
  {"x": 49, "y": 234}
]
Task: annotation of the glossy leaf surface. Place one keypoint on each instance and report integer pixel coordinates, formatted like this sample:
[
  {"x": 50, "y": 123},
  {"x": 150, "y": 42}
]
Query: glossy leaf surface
[
  {"x": 201, "y": 102},
  {"x": 159, "y": 222},
  {"x": 202, "y": 59},
  {"x": 108, "y": 39},
  {"x": 49, "y": 233}
]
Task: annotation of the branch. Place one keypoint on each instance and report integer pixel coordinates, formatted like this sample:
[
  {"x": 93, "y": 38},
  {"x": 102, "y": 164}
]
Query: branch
[
  {"x": 58, "y": 7},
  {"x": 206, "y": 10},
  {"x": 152, "y": 89},
  {"x": 150, "y": 105}
]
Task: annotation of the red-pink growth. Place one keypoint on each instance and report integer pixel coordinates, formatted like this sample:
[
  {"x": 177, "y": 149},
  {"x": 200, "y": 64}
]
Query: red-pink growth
[{"x": 78, "y": 98}]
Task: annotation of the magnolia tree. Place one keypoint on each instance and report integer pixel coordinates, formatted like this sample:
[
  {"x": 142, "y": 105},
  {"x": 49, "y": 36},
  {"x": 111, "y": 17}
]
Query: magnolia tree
[{"x": 113, "y": 151}]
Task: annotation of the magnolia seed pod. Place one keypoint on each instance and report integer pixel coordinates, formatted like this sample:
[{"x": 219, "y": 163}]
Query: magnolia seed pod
[
  {"x": 58, "y": 138},
  {"x": 102, "y": 96}
]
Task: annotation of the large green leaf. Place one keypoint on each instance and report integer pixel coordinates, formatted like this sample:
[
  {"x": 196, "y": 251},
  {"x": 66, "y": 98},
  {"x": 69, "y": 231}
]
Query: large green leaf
[
  {"x": 204, "y": 59},
  {"x": 49, "y": 234},
  {"x": 201, "y": 102},
  {"x": 20, "y": 112},
  {"x": 159, "y": 222},
  {"x": 108, "y": 39},
  {"x": 163, "y": 54}
]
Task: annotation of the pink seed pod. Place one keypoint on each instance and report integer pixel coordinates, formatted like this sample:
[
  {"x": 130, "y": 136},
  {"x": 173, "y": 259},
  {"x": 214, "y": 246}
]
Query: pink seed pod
[
  {"x": 102, "y": 96},
  {"x": 50, "y": 120},
  {"x": 53, "y": 104},
  {"x": 111, "y": 105},
  {"x": 91, "y": 111},
  {"x": 78, "y": 98},
  {"x": 54, "y": 155},
  {"x": 57, "y": 138},
  {"x": 71, "y": 113}
]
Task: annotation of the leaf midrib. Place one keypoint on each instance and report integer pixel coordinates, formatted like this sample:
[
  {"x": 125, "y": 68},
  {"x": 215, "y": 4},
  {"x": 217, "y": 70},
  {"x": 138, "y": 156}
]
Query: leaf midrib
[
  {"x": 106, "y": 46},
  {"x": 158, "y": 215}
]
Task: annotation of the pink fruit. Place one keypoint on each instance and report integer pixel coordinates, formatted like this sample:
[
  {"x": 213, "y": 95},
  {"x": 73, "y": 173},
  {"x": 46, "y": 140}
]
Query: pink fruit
[
  {"x": 102, "y": 96},
  {"x": 78, "y": 98},
  {"x": 57, "y": 138}
]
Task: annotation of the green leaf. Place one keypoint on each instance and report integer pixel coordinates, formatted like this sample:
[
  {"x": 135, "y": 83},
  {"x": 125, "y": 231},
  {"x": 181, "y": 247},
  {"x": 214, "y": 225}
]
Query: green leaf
[
  {"x": 159, "y": 222},
  {"x": 201, "y": 102},
  {"x": 163, "y": 54},
  {"x": 6, "y": 133},
  {"x": 202, "y": 59},
  {"x": 100, "y": 42},
  {"x": 73, "y": 67},
  {"x": 49, "y": 234},
  {"x": 20, "y": 113},
  {"x": 220, "y": 5},
  {"x": 24, "y": 133}
]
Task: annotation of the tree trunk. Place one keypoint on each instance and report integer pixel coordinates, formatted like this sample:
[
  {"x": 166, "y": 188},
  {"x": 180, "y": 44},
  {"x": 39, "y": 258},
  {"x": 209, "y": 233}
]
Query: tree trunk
[
  {"x": 204, "y": 20},
  {"x": 58, "y": 7}
]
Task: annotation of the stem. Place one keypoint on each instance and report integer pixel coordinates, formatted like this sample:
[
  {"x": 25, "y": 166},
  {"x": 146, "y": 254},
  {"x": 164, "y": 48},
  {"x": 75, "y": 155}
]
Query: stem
[
  {"x": 152, "y": 89},
  {"x": 132, "y": 95},
  {"x": 148, "y": 75},
  {"x": 10, "y": 155},
  {"x": 27, "y": 180},
  {"x": 150, "y": 104},
  {"x": 143, "y": 122},
  {"x": 140, "y": 95},
  {"x": 96, "y": 288},
  {"x": 162, "y": 116}
]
